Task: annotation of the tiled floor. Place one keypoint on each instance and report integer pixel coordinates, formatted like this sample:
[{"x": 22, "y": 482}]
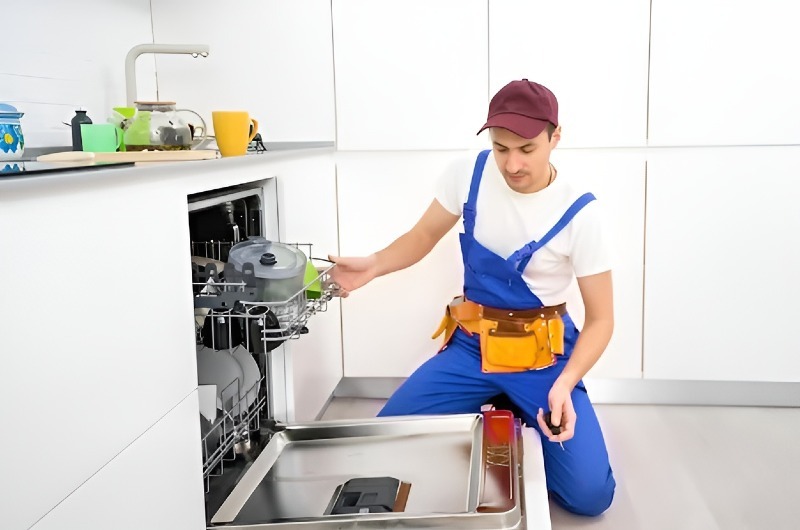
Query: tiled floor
[{"x": 685, "y": 468}]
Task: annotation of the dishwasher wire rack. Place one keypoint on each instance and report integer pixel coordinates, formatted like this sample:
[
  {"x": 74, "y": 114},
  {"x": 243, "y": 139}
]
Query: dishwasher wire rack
[
  {"x": 230, "y": 295},
  {"x": 235, "y": 425},
  {"x": 229, "y": 315}
]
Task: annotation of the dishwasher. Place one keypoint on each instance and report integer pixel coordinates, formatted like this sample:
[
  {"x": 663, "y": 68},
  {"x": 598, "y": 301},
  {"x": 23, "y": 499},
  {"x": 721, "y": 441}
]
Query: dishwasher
[{"x": 261, "y": 471}]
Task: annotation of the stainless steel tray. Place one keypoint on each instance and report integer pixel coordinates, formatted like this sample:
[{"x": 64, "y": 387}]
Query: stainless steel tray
[{"x": 444, "y": 459}]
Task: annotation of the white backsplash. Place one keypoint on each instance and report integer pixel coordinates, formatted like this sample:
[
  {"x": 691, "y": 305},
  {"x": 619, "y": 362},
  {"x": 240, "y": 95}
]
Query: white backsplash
[
  {"x": 271, "y": 58},
  {"x": 68, "y": 55}
]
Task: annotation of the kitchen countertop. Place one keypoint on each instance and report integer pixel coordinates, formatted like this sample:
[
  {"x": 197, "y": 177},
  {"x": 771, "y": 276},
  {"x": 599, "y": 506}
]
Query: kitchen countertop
[
  {"x": 199, "y": 175},
  {"x": 32, "y": 152}
]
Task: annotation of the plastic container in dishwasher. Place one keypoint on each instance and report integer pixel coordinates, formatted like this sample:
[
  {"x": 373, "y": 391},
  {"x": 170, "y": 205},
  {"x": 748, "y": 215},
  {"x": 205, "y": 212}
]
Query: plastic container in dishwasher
[{"x": 278, "y": 269}]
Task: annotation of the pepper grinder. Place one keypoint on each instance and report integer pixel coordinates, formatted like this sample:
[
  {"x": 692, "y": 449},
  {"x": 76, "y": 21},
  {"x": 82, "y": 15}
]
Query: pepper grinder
[{"x": 79, "y": 118}]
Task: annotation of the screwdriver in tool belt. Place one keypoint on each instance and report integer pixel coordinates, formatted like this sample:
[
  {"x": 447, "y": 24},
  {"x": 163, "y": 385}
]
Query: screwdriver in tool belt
[{"x": 555, "y": 429}]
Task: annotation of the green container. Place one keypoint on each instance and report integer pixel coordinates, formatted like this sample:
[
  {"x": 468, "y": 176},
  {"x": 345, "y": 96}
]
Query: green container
[{"x": 314, "y": 290}]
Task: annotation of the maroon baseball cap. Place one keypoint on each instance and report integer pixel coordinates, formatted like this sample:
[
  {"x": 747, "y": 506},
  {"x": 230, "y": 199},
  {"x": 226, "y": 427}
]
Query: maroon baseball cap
[{"x": 524, "y": 108}]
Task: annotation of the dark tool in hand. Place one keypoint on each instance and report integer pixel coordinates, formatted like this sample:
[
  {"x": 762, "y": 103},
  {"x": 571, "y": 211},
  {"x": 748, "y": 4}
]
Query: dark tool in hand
[{"x": 555, "y": 429}]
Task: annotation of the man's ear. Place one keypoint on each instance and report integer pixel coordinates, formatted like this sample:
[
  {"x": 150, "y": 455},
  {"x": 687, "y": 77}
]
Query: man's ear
[{"x": 556, "y": 136}]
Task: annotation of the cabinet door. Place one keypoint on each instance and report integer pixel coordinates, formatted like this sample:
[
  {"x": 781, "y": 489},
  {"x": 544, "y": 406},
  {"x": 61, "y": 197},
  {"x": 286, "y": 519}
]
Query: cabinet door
[
  {"x": 146, "y": 485},
  {"x": 723, "y": 73},
  {"x": 99, "y": 332},
  {"x": 387, "y": 325},
  {"x": 592, "y": 55},
  {"x": 721, "y": 265},
  {"x": 307, "y": 214},
  {"x": 410, "y": 74},
  {"x": 617, "y": 179},
  {"x": 271, "y": 58}
]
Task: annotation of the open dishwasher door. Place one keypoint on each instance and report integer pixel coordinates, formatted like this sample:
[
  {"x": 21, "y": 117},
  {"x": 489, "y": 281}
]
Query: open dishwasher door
[
  {"x": 455, "y": 471},
  {"x": 263, "y": 471}
]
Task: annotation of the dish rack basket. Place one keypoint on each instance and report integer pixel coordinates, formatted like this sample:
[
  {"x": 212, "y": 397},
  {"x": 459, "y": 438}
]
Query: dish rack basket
[
  {"x": 236, "y": 291},
  {"x": 239, "y": 320},
  {"x": 235, "y": 429}
]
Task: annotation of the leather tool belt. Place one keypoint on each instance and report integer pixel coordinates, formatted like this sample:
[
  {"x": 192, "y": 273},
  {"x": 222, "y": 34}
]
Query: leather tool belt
[{"x": 511, "y": 341}]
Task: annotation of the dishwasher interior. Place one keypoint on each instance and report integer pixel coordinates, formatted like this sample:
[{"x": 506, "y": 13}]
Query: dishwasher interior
[
  {"x": 238, "y": 335},
  {"x": 262, "y": 472}
]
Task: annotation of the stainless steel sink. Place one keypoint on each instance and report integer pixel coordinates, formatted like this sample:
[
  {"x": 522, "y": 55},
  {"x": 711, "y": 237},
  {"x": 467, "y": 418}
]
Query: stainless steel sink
[{"x": 461, "y": 474}]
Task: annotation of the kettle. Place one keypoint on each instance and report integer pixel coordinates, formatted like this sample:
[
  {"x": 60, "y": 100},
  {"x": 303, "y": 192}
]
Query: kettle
[
  {"x": 12, "y": 142},
  {"x": 158, "y": 126}
]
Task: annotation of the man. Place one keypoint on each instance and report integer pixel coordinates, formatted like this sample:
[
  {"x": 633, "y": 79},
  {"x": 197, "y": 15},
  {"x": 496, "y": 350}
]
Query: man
[{"x": 527, "y": 234}]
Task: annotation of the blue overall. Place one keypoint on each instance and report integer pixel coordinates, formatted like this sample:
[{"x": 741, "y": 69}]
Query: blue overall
[{"x": 579, "y": 477}]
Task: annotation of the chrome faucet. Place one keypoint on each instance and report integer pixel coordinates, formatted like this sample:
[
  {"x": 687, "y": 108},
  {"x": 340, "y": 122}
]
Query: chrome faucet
[{"x": 194, "y": 50}]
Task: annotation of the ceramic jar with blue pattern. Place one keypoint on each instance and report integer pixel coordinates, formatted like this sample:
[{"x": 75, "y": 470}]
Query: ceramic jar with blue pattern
[{"x": 12, "y": 142}]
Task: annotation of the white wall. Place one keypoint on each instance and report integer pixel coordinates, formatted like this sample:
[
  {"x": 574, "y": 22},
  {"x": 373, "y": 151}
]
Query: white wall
[
  {"x": 271, "y": 58},
  {"x": 722, "y": 260},
  {"x": 723, "y": 73},
  {"x": 406, "y": 97},
  {"x": 593, "y": 55},
  {"x": 697, "y": 79},
  {"x": 387, "y": 326},
  {"x": 411, "y": 74},
  {"x": 61, "y": 56}
]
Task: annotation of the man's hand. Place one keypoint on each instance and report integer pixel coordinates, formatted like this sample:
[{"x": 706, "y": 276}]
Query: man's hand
[
  {"x": 352, "y": 273},
  {"x": 562, "y": 413}
]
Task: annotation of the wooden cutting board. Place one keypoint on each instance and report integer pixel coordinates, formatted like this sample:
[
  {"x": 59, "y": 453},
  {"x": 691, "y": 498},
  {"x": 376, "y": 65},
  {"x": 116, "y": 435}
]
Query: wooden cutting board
[{"x": 129, "y": 156}]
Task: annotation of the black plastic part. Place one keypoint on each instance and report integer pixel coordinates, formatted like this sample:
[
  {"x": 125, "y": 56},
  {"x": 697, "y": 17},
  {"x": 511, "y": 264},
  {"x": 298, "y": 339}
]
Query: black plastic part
[
  {"x": 367, "y": 495},
  {"x": 555, "y": 429},
  {"x": 255, "y": 330},
  {"x": 226, "y": 333},
  {"x": 268, "y": 259}
]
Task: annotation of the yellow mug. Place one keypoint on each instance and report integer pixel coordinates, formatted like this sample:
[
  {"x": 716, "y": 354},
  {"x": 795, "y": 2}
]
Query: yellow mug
[{"x": 232, "y": 130}]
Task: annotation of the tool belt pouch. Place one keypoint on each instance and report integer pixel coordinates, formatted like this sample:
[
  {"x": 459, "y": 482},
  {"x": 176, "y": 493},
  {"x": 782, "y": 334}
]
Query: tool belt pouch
[
  {"x": 447, "y": 327},
  {"x": 517, "y": 345}
]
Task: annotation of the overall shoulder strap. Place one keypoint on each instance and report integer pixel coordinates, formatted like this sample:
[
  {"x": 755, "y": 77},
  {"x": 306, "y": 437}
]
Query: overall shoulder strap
[
  {"x": 470, "y": 207},
  {"x": 524, "y": 254}
]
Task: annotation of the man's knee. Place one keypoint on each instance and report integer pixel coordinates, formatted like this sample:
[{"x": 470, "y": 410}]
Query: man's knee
[{"x": 590, "y": 498}]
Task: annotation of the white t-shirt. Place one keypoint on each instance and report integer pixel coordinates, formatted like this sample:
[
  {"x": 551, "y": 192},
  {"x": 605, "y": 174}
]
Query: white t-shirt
[{"x": 508, "y": 220}]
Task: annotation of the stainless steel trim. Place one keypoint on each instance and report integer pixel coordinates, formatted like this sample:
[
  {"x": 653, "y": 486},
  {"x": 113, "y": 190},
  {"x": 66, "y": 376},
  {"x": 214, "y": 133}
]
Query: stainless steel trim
[
  {"x": 510, "y": 520},
  {"x": 631, "y": 391}
]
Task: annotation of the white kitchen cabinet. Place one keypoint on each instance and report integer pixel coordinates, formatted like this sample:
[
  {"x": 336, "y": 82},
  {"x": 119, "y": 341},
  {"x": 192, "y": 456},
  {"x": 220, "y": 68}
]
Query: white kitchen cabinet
[
  {"x": 617, "y": 179},
  {"x": 410, "y": 75},
  {"x": 721, "y": 73},
  {"x": 307, "y": 206},
  {"x": 592, "y": 55},
  {"x": 721, "y": 262},
  {"x": 98, "y": 334},
  {"x": 97, "y": 327},
  {"x": 387, "y": 325},
  {"x": 273, "y": 59},
  {"x": 155, "y": 482}
]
